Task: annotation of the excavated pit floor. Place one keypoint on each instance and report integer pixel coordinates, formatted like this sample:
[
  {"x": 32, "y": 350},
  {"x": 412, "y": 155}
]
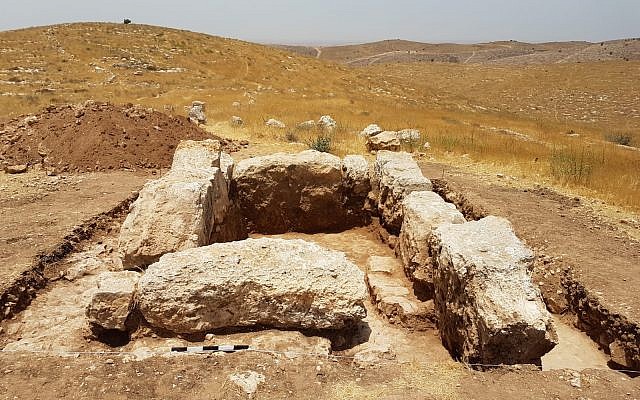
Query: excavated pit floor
[{"x": 55, "y": 320}]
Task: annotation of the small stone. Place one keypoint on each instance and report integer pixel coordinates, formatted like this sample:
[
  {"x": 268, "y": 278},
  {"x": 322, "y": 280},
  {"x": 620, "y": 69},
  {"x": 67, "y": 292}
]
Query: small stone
[
  {"x": 109, "y": 361},
  {"x": 16, "y": 169},
  {"x": 209, "y": 337},
  {"x": 576, "y": 382}
]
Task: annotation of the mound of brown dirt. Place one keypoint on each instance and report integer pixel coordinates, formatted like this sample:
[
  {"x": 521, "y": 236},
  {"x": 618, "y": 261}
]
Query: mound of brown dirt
[{"x": 97, "y": 136}]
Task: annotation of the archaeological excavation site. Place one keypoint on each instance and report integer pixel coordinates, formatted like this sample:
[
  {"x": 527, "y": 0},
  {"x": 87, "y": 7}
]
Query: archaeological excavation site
[{"x": 296, "y": 254}]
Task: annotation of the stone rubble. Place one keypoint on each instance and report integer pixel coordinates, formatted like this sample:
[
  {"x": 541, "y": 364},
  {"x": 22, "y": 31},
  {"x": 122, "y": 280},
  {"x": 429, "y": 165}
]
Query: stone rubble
[{"x": 387, "y": 140}]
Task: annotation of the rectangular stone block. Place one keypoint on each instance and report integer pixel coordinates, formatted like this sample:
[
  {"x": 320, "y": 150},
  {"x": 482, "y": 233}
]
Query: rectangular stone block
[
  {"x": 489, "y": 311},
  {"x": 422, "y": 213},
  {"x": 395, "y": 175}
]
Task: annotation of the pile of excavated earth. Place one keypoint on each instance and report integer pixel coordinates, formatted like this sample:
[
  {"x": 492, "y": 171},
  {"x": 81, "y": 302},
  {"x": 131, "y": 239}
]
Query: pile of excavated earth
[
  {"x": 95, "y": 136},
  {"x": 191, "y": 263}
]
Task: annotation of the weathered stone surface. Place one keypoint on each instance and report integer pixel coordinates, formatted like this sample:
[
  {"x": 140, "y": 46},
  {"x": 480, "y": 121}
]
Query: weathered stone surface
[
  {"x": 422, "y": 212},
  {"x": 191, "y": 154},
  {"x": 181, "y": 210},
  {"x": 291, "y": 192},
  {"x": 326, "y": 122},
  {"x": 395, "y": 175},
  {"x": 274, "y": 123},
  {"x": 356, "y": 187},
  {"x": 391, "y": 294},
  {"x": 409, "y": 135},
  {"x": 268, "y": 282},
  {"x": 387, "y": 140},
  {"x": 488, "y": 309},
  {"x": 112, "y": 303},
  {"x": 371, "y": 130},
  {"x": 196, "y": 113}
]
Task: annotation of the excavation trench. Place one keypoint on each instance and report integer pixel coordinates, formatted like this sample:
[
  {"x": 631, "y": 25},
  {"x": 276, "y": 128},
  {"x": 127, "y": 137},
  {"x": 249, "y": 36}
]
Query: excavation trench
[
  {"x": 397, "y": 326},
  {"x": 590, "y": 334}
]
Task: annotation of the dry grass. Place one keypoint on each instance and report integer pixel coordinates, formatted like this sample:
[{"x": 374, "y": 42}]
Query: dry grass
[{"x": 462, "y": 111}]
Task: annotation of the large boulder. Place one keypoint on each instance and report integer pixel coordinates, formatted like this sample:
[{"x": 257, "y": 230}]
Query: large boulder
[
  {"x": 113, "y": 301},
  {"x": 422, "y": 212},
  {"x": 387, "y": 140},
  {"x": 289, "y": 284},
  {"x": 395, "y": 175},
  {"x": 188, "y": 207},
  {"x": 489, "y": 311},
  {"x": 291, "y": 192},
  {"x": 181, "y": 210}
]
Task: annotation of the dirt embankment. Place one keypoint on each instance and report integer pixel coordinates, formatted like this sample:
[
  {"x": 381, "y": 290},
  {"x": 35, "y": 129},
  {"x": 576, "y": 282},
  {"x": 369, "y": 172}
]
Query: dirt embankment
[{"x": 97, "y": 137}]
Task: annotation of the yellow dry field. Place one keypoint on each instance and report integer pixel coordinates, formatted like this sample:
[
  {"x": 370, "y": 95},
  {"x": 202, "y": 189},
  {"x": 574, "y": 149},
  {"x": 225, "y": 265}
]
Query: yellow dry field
[{"x": 548, "y": 124}]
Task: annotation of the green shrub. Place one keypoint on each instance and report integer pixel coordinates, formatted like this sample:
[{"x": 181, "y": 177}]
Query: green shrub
[
  {"x": 571, "y": 165},
  {"x": 620, "y": 138},
  {"x": 321, "y": 143}
]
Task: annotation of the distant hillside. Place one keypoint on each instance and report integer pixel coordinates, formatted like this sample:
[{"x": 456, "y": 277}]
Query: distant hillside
[
  {"x": 539, "y": 120},
  {"x": 503, "y": 52},
  {"x": 155, "y": 66}
]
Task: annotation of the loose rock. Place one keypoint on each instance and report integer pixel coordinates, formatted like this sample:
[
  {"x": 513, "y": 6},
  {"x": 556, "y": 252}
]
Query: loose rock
[
  {"x": 371, "y": 130},
  {"x": 274, "y": 123},
  {"x": 387, "y": 140},
  {"x": 196, "y": 113},
  {"x": 112, "y": 303},
  {"x": 326, "y": 122},
  {"x": 16, "y": 169},
  {"x": 409, "y": 135},
  {"x": 237, "y": 121},
  {"x": 307, "y": 125}
]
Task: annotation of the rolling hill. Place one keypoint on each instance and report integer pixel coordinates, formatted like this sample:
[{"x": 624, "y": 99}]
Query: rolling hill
[
  {"x": 502, "y": 52},
  {"x": 552, "y": 123}
]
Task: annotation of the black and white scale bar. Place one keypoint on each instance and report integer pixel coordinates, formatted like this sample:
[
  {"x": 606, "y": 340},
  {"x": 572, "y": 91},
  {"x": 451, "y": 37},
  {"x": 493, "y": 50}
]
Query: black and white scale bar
[{"x": 204, "y": 349}]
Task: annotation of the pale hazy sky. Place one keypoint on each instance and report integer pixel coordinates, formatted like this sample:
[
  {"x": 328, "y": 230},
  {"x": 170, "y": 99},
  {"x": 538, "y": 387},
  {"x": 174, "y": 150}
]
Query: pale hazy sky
[{"x": 335, "y": 21}]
